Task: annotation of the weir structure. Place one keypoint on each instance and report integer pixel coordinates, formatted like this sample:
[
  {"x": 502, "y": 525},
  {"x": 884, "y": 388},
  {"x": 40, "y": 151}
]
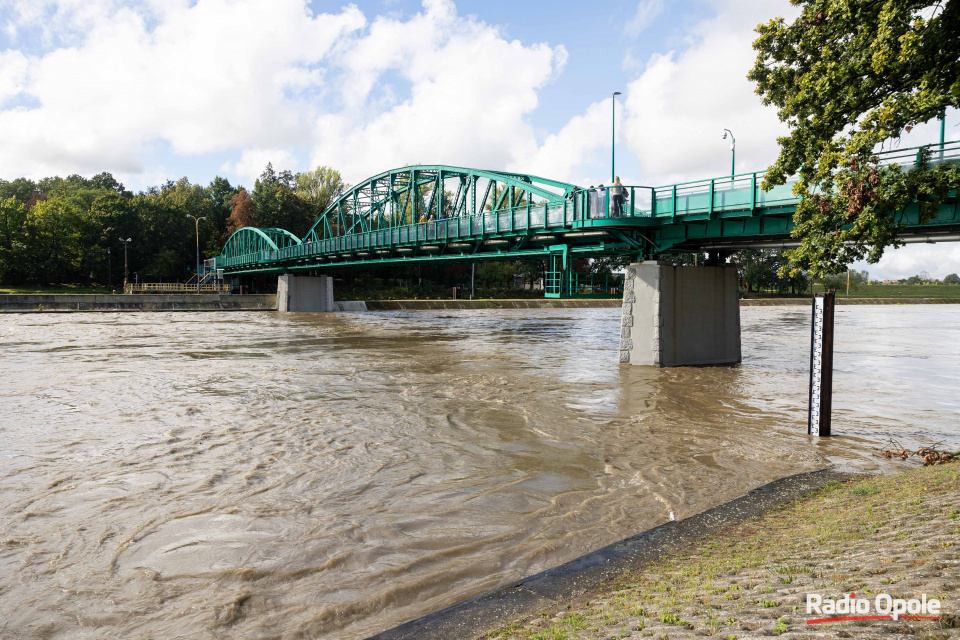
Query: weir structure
[{"x": 671, "y": 315}]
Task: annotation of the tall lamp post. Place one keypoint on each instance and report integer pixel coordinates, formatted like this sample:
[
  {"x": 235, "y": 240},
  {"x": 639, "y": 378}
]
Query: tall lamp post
[
  {"x": 613, "y": 139},
  {"x": 125, "y": 243},
  {"x": 109, "y": 268},
  {"x": 197, "y": 221},
  {"x": 733, "y": 151}
]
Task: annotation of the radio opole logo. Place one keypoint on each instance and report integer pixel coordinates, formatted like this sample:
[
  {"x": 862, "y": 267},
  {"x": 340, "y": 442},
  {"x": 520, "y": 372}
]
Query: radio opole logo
[{"x": 881, "y": 607}]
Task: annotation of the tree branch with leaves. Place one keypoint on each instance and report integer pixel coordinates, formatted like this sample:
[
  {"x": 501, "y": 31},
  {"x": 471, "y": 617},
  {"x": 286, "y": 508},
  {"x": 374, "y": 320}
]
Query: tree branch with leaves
[{"x": 849, "y": 77}]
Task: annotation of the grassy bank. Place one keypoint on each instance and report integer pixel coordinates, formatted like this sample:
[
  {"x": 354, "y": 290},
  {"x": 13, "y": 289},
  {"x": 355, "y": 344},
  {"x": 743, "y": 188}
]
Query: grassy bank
[
  {"x": 64, "y": 288},
  {"x": 897, "y": 291},
  {"x": 897, "y": 534}
]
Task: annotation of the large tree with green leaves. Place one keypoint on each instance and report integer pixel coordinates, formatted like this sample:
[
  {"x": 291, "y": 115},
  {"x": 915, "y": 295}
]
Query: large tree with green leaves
[
  {"x": 320, "y": 187},
  {"x": 849, "y": 77}
]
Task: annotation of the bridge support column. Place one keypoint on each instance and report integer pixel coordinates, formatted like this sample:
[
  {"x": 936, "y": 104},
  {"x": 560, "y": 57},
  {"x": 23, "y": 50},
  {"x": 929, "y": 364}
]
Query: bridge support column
[
  {"x": 304, "y": 293},
  {"x": 677, "y": 316}
]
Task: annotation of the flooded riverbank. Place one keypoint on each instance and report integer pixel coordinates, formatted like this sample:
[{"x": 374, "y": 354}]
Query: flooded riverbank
[{"x": 332, "y": 475}]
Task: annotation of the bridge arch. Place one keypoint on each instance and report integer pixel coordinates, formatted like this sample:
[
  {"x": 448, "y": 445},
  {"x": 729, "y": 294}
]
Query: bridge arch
[
  {"x": 403, "y": 196},
  {"x": 253, "y": 240}
]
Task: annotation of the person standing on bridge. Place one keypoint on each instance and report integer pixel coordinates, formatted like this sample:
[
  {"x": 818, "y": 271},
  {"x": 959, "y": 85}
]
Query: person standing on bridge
[{"x": 616, "y": 198}]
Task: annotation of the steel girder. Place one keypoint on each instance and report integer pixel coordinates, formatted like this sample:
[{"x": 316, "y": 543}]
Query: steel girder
[
  {"x": 403, "y": 196},
  {"x": 251, "y": 240}
]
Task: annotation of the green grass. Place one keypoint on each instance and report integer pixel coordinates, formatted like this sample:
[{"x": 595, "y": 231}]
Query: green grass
[
  {"x": 684, "y": 589},
  {"x": 780, "y": 627},
  {"x": 63, "y": 288},
  {"x": 897, "y": 291}
]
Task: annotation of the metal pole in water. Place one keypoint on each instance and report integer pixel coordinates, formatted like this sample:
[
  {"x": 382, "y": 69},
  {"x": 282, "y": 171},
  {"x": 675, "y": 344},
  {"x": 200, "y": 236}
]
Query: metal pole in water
[{"x": 821, "y": 365}]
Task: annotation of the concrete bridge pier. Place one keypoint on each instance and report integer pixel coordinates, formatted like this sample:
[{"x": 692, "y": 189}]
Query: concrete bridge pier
[
  {"x": 680, "y": 316},
  {"x": 304, "y": 293}
]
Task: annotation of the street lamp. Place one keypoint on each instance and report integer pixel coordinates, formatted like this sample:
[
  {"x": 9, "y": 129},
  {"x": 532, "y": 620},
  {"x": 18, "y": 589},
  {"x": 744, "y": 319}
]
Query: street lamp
[
  {"x": 613, "y": 140},
  {"x": 125, "y": 242},
  {"x": 109, "y": 268},
  {"x": 733, "y": 151},
  {"x": 197, "y": 221}
]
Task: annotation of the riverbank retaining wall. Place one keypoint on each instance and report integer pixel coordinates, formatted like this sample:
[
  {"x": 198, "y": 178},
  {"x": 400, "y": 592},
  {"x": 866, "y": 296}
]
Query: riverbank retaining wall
[{"x": 53, "y": 302}]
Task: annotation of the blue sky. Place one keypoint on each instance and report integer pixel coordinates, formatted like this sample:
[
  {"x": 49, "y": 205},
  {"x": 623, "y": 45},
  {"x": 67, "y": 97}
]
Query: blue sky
[{"x": 160, "y": 89}]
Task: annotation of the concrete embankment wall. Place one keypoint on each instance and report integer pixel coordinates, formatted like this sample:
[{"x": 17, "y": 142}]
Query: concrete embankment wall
[
  {"x": 24, "y": 303},
  {"x": 597, "y": 303},
  {"x": 533, "y": 303}
]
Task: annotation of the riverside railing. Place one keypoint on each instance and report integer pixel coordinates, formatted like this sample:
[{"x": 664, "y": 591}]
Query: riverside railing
[{"x": 174, "y": 287}]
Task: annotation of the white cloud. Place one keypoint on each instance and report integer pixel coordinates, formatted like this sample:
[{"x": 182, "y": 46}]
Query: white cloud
[
  {"x": 936, "y": 259},
  {"x": 253, "y": 161},
  {"x": 470, "y": 93},
  {"x": 207, "y": 76},
  {"x": 570, "y": 153},
  {"x": 647, "y": 11},
  {"x": 13, "y": 74},
  {"x": 678, "y": 107}
]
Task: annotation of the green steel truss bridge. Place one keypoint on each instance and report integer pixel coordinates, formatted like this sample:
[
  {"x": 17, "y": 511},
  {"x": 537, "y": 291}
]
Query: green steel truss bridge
[{"x": 430, "y": 213}]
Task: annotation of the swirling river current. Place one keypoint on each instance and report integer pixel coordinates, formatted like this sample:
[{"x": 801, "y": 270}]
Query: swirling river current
[{"x": 257, "y": 475}]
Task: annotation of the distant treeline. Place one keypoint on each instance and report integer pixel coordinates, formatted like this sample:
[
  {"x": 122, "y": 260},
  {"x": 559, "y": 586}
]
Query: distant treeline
[{"x": 59, "y": 230}]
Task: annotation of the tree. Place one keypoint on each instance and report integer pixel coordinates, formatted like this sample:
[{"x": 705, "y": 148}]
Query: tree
[
  {"x": 847, "y": 77},
  {"x": 320, "y": 187},
  {"x": 277, "y": 203},
  {"x": 763, "y": 269},
  {"x": 242, "y": 214},
  {"x": 497, "y": 274},
  {"x": 13, "y": 216},
  {"x": 952, "y": 279},
  {"x": 220, "y": 193}
]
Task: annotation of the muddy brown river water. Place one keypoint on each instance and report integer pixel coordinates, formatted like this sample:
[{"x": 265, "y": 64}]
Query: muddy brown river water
[{"x": 252, "y": 475}]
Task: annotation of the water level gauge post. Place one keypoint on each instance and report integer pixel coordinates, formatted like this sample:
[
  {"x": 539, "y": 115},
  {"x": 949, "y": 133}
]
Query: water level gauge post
[{"x": 821, "y": 365}]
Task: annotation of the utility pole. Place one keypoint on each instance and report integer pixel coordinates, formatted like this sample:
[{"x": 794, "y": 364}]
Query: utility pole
[
  {"x": 197, "y": 221},
  {"x": 109, "y": 268},
  {"x": 125, "y": 271},
  {"x": 613, "y": 139}
]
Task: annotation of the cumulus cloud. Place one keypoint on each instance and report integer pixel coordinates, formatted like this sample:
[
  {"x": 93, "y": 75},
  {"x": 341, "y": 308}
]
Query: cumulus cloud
[
  {"x": 13, "y": 74},
  {"x": 244, "y": 76},
  {"x": 679, "y": 105},
  {"x": 206, "y": 76},
  {"x": 572, "y": 153},
  {"x": 470, "y": 93}
]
